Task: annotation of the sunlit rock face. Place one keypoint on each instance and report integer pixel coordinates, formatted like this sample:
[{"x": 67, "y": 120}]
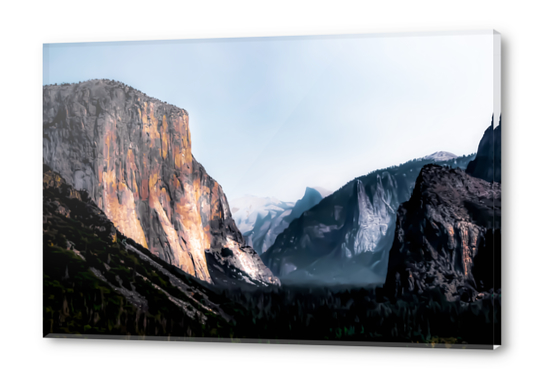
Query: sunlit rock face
[
  {"x": 132, "y": 154},
  {"x": 447, "y": 236}
]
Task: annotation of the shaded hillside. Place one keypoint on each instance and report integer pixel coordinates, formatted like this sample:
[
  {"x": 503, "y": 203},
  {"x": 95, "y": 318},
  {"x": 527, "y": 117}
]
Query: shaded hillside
[
  {"x": 445, "y": 237},
  {"x": 132, "y": 154},
  {"x": 345, "y": 238},
  {"x": 96, "y": 281}
]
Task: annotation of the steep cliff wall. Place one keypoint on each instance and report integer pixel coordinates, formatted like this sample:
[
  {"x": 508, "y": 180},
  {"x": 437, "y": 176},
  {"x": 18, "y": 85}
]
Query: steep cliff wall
[
  {"x": 132, "y": 154},
  {"x": 445, "y": 236},
  {"x": 487, "y": 164}
]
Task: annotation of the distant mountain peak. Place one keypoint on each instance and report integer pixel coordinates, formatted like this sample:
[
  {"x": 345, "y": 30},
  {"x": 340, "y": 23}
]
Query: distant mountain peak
[
  {"x": 324, "y": 192},
  {"x": 310, "y": 192},
  {"x": 441, "y": 156},
  {"x": 261, "y": 219}
]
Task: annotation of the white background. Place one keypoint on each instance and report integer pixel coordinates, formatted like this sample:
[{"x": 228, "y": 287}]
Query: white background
[{"x": 25, "y": 26}]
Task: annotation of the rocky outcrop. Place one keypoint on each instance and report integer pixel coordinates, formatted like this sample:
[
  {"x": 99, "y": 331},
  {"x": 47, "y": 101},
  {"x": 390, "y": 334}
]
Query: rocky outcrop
[
  {"x": 487, "y": 164},
  {"x": 132, "y": 154},
  {"x": 346, "y": 237},
  {"x": 446, "y": 236}
]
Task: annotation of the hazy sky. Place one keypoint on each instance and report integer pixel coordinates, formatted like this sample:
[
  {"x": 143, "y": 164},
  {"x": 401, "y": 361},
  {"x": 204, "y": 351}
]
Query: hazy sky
[{"x": 271, "y": 116}]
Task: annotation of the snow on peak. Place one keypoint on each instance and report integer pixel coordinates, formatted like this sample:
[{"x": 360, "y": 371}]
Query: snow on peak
[
  {"x": 247, "y": 209},
  {"x": 441, "y": 156}
]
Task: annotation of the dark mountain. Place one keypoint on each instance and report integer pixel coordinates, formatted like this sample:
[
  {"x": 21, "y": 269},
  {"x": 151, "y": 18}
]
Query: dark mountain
[
  {"x": 309, "y": 200},
  {"x": 487, "y": 164},
  {"x": 132, "y": 154},
  {"x": 346, "y": 237},
  {"x": 447, "y": 237}
]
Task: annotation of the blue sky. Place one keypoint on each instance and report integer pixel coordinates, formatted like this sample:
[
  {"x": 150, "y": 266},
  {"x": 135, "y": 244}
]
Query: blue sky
[{"x": 271, "y": 116}]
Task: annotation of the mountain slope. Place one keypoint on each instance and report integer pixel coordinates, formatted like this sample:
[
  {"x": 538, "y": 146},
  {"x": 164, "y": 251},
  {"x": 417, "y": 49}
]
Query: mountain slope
[
  {"x": 345, "y": 238},
  {"x": 445, "y": 236},
  {"x": 96, "y": 281},
  {"x": 132, "y": 154}
]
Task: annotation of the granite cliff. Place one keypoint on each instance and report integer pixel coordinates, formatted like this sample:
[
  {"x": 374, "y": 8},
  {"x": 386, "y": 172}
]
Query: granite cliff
[
  {"x": 132, "y": 154},
  {"x": 447, "y": 237}
]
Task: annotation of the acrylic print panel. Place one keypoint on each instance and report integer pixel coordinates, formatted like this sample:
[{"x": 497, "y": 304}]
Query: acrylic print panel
[{"x": 319, "y": 190}]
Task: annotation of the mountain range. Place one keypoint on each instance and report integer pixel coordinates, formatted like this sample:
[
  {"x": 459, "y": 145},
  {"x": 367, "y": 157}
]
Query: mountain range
[
  {"x": 139, "y": 240},
  {"x": 345, "y": 239}
]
